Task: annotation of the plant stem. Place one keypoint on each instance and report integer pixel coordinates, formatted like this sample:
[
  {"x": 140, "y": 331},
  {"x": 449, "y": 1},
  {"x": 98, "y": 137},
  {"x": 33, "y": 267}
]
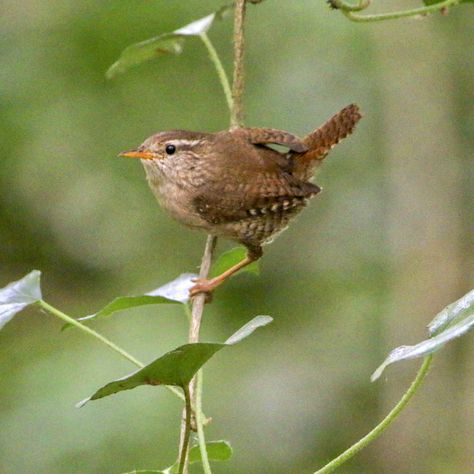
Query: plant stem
[
  {"x": 56, "y": 312},
  {"x": 349, "y": 7},
  {"x": 224, "y": 80},
  {"x": 194, "y": 327},
  {"x": 200, "y": 300},
  {"x": 200, "y": 422},
  {"x": 348, "y": 11},
  {"x": 383, "y": 425},
  {"x": 185, "y": 444},
  {"x": 239, "y": 81},
  {"x": 234, "y": 102}
]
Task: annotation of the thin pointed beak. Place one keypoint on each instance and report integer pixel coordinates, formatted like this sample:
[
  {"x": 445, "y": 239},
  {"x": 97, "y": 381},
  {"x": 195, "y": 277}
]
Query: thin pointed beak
[{"x": 143, "y": 155}]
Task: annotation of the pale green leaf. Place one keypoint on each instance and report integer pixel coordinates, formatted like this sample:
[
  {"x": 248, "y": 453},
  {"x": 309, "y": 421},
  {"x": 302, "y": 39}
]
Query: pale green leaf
[
  {"x": 167, "y": 43},
  {"x": 175, "y": 291}
]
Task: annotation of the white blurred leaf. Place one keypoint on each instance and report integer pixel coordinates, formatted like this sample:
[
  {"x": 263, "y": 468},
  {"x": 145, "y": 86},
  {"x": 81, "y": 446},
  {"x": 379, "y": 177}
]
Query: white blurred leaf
[
  {"x": 18, "y": 295},
  {"x": 453, "y": 321}
]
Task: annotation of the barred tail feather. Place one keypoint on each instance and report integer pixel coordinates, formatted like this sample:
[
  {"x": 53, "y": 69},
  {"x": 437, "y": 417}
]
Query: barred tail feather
[{"x": 324, "y": 138}]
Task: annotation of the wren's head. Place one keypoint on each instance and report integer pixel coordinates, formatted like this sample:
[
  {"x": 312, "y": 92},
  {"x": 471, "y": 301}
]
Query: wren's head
[{"x": 172, "y": 154}]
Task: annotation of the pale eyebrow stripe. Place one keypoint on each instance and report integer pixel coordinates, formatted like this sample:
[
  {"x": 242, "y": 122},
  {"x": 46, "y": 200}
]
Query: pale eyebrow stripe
[{"x": 183, "y": 142}]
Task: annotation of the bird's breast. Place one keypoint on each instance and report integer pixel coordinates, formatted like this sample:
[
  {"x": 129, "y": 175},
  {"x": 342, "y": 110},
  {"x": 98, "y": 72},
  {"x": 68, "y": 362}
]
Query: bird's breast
[{"x": 175, "y": 195}]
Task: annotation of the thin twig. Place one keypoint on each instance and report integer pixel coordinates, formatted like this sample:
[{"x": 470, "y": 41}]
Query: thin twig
[
  {"x": 200, "y": 300},
  {"x": 239, "y": 80},
  {"x": 185, "y": 445},
  {"x": 195, "y": 325}
]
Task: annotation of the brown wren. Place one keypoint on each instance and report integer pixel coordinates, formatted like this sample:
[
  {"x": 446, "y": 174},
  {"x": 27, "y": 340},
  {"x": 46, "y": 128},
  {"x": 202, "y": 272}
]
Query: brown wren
[{"x": 233, "y": 184}]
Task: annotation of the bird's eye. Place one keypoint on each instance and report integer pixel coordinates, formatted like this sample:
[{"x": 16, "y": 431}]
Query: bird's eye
[{"x": 170, "y": 149}]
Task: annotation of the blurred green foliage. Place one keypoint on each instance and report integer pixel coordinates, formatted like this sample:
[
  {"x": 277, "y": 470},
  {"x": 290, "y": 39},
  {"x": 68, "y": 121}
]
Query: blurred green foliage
[{"x": 387, "y": 244}]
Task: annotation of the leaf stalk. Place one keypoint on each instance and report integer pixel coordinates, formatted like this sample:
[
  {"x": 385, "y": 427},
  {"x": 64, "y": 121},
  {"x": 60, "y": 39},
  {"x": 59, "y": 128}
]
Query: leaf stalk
[
  {"x": 384, "y": 424},
  {"x": 185, "y": 444},
  {"x": 200, "y": 423},
  {"x": 348, "y": 10},
  {"x": 87, "y": 330},
  {"x": 223, "y": 79}
]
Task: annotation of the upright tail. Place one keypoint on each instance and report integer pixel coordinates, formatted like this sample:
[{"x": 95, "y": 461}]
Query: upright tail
[{"x": 323, "y": 139}]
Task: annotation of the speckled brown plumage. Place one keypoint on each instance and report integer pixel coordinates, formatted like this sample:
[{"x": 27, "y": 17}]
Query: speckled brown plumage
[{"x": 233, "y": 184}]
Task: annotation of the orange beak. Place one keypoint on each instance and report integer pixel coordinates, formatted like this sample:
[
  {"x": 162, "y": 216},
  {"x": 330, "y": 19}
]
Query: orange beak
[{"x": 143, "y": 155}]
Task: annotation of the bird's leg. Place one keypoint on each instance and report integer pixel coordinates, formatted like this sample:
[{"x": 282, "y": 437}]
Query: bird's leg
[{"x": 207, "y": 286}]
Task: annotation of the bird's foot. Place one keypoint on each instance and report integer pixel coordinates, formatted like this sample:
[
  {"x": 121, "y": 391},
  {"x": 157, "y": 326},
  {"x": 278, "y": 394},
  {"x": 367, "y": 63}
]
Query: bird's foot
[{"x": 202, "y": 285}]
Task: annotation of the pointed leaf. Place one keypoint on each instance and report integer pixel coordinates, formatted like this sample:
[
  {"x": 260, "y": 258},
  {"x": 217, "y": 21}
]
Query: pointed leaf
[
  {"x": 176, "y": 367},
  {"x": 249, "y": 328},
  {"x": 230, "y": 258},
  {"x": 454, "y": 321},
  {"x": 197, "y": 27},
  {"x": 18, "y": 295},
  {"x": 176, "y": 291},
  {"x": 167, "y": 43},
  {"x": 451, "y": 313}
]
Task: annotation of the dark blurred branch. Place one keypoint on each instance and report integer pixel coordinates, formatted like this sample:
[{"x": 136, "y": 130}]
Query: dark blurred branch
[{"x": 239, "y": 81}]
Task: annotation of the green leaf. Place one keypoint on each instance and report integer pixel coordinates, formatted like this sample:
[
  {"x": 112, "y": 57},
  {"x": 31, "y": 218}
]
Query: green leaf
[
  {"x": 167, "y": 43},
  {"x": 230, "y": 258},
  {"x": 454, "y": 321},
  {"x": 216, "y": 451},
  {"x": 178, "y": 366},
  {"x": 175, "y": 291},
  {"x": 18, "y": 295}
]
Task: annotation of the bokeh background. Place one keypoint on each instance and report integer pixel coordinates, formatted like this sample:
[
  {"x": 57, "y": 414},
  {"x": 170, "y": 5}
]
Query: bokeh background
[{"x": 386, "y": 245}]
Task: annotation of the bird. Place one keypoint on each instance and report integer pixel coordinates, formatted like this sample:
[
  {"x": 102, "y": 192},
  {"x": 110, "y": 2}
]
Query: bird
[{"x": 236, "y": 183}]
